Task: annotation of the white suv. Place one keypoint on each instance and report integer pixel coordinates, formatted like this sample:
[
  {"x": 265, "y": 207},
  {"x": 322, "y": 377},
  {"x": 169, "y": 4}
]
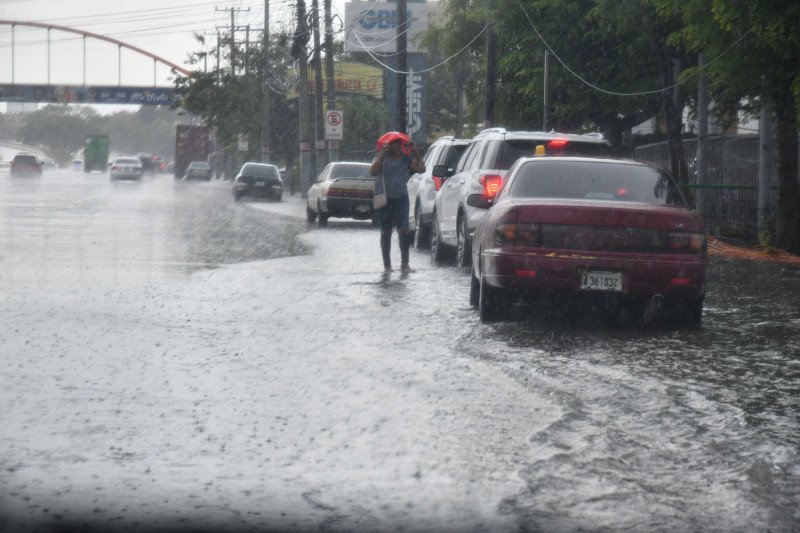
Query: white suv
[
  {"x": 443, "y": 155},
  {"x": 482, "y": 168}
]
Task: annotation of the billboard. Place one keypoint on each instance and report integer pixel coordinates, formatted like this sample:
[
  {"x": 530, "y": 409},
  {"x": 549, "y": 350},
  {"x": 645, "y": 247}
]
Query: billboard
[
  {"x": 349, "y": 78},
  {"x": 372, "y": 26}
]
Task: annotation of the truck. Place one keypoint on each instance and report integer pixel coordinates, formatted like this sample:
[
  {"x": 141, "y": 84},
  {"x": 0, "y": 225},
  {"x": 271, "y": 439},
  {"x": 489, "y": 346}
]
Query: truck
[
  {"x": 95, "y": 152},
  {"x": 191, "y": 144}
]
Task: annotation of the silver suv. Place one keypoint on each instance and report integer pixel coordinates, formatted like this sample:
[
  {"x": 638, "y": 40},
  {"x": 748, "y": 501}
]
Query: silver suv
[
  {"x": 481, "y": 169},
  {"x": 443, "y": 154}
]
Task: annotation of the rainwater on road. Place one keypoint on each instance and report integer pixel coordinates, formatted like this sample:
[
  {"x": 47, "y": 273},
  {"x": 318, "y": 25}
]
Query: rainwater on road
[{"x": 173, "y": 360}]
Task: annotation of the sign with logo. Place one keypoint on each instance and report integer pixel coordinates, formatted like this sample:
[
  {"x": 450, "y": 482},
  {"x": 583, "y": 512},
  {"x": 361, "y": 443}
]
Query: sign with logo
[
  {"x": 416, "y": 97},
  {"x": 334, "y": 125},
  {"x": 372, "y": 26},
  {"x": 244, "y": 144},
  {"x": 349, "y": 78}
]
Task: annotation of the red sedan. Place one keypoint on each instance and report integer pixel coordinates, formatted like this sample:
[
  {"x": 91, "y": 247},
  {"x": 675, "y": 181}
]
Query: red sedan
[{"x": 605, "y": 230}]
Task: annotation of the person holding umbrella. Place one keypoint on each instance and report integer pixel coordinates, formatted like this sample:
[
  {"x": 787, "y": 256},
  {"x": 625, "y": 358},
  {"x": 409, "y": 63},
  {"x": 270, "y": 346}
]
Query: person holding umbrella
[{"x": 397, "y": 159}]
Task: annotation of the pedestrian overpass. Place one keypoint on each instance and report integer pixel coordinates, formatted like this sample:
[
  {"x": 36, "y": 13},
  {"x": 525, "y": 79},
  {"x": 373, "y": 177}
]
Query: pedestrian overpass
[{"x": 86, "y": 94}]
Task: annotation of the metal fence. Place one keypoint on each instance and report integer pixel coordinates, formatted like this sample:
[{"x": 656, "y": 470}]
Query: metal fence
[{"x": 730, "y": 194}]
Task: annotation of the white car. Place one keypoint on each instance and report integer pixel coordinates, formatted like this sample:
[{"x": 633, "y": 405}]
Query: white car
[
  {"x": 129, "y": 168},
  {"x": 482, "y": 169}
]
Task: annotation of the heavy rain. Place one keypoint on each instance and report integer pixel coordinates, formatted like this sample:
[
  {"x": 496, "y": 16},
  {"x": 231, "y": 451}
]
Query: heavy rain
[{"x": 175, "y": 360}]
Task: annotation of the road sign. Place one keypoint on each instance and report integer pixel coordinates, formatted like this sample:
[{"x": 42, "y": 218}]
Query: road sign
[
  {"x": 334, "y": 125},
  {"x": 244, "y": 145}
]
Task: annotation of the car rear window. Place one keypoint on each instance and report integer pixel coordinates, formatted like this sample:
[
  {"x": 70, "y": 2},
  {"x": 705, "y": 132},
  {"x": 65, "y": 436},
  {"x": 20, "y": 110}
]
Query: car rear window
[
  {"x": 588, "y": 180},
  {"x": 127, "y": 161},
  {"x": 261, "y": 171},
  {"x": 27, "y": 159},
  {"x": 200, "y": 165},
  {"x": 454, "y": 155},
  {"x": 351, "y": 171},
  {"x": 512, "y": 150}
]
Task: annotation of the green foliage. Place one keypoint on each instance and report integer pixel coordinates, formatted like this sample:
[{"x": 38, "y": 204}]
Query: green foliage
[{"x": 366, "y": 119}]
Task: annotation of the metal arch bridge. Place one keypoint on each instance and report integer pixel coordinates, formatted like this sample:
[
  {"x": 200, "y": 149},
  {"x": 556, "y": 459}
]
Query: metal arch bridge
[{"x": 87, "y": 94}]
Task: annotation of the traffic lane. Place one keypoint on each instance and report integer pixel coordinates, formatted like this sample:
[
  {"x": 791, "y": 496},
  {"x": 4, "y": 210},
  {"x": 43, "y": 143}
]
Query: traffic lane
[{"x": 275, "y": 393}]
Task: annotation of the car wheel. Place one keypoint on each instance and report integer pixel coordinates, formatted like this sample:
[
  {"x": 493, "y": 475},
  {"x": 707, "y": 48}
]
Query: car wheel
[
  {"x": 691, "y": 312},
  {"x": 437, "y": 247},
  {"x": 311, "y": 215},
  {"x": 422, "y": 238},
  {"x": 474, "y": 290},
  {"x": 237, "y": 196},
  {"x": 323, "y": 217},
  {"x": 493, "y": 303},
  {"x": 463, "y": 250}
]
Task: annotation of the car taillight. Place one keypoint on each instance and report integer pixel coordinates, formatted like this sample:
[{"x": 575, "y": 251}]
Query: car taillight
[
  {"x": 557, "y": 144},
  {"x": 438, "y": 181},
  {"x": 491, "y": 184},
  {"x": 509, "y": 230},
  {"x": 336, "y": 192},
  {"x": 686, "y": 242}
]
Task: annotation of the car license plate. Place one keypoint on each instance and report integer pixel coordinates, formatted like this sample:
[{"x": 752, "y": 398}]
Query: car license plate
[
  {"x": 601, "y": 281},
  {"x": 362, "y": 208},
  {"x": 259, "y": 184}
]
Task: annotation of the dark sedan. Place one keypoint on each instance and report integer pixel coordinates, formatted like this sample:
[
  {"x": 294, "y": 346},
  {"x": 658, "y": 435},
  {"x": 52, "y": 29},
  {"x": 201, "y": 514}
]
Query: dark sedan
[
  {"x": 611, "y": 232},
  {"x": 258, "y": 179}
]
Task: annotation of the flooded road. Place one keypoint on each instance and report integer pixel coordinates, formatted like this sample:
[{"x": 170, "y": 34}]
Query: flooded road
[{"x": 173, "y": 360}]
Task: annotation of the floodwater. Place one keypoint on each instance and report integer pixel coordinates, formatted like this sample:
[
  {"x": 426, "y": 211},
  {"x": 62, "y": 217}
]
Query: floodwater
[{"x": 173, "y": 360}]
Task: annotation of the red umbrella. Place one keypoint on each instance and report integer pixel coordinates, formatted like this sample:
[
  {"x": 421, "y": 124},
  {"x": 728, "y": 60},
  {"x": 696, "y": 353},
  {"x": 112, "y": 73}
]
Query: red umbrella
[{"x": 393, "y": 136}]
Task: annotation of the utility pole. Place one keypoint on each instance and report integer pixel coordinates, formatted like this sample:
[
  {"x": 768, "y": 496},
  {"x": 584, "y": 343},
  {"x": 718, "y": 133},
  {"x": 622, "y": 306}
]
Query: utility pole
[
  {"x": 402, "y": 65},
  {"x": 299, "y": 52},
  {"x": 265, "y": 100},
  {"x": 233, "y": 11},
  {"x": 320, "y": 117},
  {"x": 545, "y": 118},
  {"x": 333, "y": 153},
  {"x": 701, "y": 160},
  {"x": 764, "y": 169},
  {"x": 491, "y": 61}
]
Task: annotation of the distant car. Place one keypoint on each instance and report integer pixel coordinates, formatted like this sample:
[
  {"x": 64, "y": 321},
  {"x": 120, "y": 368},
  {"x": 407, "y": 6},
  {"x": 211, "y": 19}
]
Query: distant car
[
  {"x": 604, "y": 230},
  {"x": 126, "y": 168},
  {"x": 77, "y": 164},
  {"x": 422, "y": 188},
  {"x": 343, "y": 189},
  {"x": 482, "y": 168},
  {"x": 258, "y": 179},
  {"x": 147, "y": 163},
  {"x": 198, "y": 170},
  {"x": 25, "y": 165},
  {"x": 47, "y": 163}
]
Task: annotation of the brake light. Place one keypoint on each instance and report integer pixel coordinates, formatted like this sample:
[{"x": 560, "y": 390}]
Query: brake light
[
  {"x": 509, "y": 230},
  {"x": 438, "y": 182},
  {"x": 557, "y": 144},
  {"x": 686, "y": 242},
  {"x": 491, "y": 184}
]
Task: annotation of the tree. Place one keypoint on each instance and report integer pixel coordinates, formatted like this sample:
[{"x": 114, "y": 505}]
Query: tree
[{"x": 58, "y": 129}]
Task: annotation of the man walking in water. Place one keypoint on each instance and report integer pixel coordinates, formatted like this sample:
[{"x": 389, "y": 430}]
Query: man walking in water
[{"x": 392, "y": 168}]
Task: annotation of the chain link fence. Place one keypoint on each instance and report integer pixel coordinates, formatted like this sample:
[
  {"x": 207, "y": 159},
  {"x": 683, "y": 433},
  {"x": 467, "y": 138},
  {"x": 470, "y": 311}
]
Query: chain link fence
[{"x": 730, "y": 194}]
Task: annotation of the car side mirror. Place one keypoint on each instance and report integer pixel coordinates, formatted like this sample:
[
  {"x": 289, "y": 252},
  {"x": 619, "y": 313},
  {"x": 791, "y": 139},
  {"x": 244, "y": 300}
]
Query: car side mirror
[
  {"x": 442, "y": 171},
  {"x": 479, "y": 200}
]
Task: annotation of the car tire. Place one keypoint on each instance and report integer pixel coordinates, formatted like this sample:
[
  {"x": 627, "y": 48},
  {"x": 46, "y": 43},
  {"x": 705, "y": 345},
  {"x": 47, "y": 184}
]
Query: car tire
[
  {"x": 323, "y": 217},
  {"x": 437, "y": 246},
  {"x": 311, "y": 215},
  {"x": 493, "y": 303},
  {"x": 691, "y": 312},
  {"x": 422, "y": 236},
  {"x": 474, "y": 290},
  {"x": 464, "y": 248},
  {"x": 237, "y": 196}
]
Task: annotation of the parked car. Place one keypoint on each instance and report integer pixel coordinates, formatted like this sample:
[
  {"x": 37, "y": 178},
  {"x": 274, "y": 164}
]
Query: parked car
[
  {"x": 422, "y": 188},
  {"x": 198, "y": 170},
  {"x": 616, "y": 232},
  {"x": 343, "y": 189},
  {"x": 127, "y": 168},
  {"x": 481, "y": 170},
  {"x": 258, "y": 179},
  {"x": 25, "y": 165}
]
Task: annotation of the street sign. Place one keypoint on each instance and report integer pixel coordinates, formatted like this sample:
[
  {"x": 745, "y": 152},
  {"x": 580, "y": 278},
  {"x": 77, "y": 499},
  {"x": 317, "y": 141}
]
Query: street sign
[
  {"x": 334, "y": 125},
  {"x": 244, "y": 145}
]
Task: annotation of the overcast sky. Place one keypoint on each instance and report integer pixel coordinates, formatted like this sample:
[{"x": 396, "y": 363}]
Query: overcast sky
[{"x": 163, "y": 27}]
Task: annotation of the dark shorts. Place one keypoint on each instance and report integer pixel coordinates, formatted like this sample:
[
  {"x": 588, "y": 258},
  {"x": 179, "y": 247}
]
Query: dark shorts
[{"x": 394, "y": 214}]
